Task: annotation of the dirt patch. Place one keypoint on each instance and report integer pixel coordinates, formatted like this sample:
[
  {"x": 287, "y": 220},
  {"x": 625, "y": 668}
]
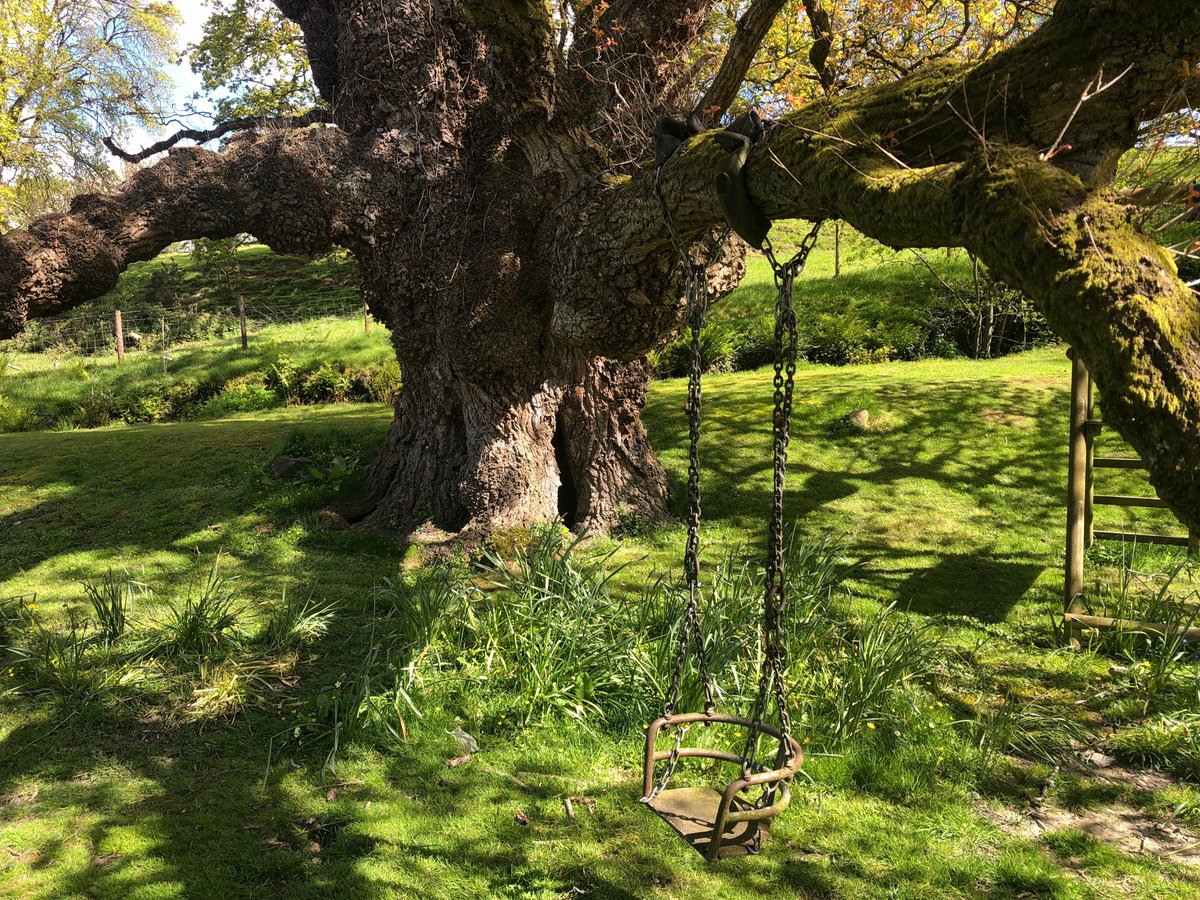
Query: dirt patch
[{"x": 1117, "y": 824}]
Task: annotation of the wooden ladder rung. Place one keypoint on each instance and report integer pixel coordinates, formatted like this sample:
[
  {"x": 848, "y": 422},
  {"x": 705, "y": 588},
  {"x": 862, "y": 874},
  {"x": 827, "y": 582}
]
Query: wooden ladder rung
[
  {"x": 1118, "y": 462},
  {"x": 1171, "y": 540},
  {"x": 1121, "y": 500}
]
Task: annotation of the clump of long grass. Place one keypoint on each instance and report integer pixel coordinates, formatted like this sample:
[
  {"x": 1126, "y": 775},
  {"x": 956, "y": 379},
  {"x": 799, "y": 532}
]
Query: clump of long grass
[
  {"x": 55, "y": 663},
  {"x": 294, "y": 621},
  {"x": 1161, "y": 659},
  {"x": 551, "y": 630},
  {"x": 206, "y": 624},
  {"x": 112, "y": 602},
  {"x": 1026, "y": 728}
]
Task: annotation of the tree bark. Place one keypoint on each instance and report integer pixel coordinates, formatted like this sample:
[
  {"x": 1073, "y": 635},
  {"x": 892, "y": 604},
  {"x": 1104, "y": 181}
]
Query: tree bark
[{"x": 487, "y": 184}]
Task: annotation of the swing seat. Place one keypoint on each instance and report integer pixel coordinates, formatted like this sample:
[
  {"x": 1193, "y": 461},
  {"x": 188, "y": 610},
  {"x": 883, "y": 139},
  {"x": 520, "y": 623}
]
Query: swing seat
[{"x": 720, "y": 823}]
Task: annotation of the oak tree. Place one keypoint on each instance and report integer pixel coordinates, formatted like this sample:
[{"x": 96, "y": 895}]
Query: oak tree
[{"x": 486, "y": 166}]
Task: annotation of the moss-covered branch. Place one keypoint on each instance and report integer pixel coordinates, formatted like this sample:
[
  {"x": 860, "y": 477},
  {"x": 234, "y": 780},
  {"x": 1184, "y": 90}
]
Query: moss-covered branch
[{"x": 953, "y": 156}]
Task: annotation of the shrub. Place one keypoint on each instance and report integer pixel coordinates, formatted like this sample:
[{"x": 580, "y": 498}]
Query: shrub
[
  {"x": 99, "y": 408},
  {"x": 719, "y": 344},
  {"x": 247, "y": 394},
  {"x": 284, "y": 378},
  {"x": 145, "y": 407},
  {"x": 325, "y": 385},
  {"x": 383, "y": 382},
  {"x": 15, "y": 417}
]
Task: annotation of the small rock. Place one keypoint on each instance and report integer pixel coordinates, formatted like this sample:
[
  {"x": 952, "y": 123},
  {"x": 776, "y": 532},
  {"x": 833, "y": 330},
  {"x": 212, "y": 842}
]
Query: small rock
[
  {"x": 859, "y": 419},
  {"x": 465, "y": 741},
  {"x": 1100, "y": 760},
  {"x": 289, "y": 466}
]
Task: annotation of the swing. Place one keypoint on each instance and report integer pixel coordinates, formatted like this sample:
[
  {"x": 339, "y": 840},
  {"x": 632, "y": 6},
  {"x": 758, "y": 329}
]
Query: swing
[{"x": 731, "y": 820}]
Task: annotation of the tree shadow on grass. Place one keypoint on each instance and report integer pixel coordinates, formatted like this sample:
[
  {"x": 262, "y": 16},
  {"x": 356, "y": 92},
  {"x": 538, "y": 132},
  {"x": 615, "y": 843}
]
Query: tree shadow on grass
[
  {"x": 148, "y": 806},
  {"x": 968, "y": 584}
]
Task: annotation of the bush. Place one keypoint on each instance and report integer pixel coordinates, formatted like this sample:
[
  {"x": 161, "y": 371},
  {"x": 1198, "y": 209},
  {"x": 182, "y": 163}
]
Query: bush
[
  {"x": 383, "y": 382},
  {"x": 325, "y": 385},
  {"x": 284, "y": 378},
  {"x": 247, "y": 394},
  {"x": 98, "y": 409},
  {"x": 14, "y": 417},
  {"x": 719, "y": 343},
  {"x": 143, "y": 408}
]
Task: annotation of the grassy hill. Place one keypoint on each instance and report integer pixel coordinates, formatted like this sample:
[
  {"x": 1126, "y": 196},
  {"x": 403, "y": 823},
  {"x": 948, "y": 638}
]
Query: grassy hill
[{"x": 305, "y": 315}]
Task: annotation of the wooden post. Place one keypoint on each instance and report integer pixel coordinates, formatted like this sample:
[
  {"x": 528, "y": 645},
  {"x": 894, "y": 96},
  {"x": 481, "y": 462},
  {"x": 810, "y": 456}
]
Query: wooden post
[
  {"x": 837, "y": 248},
  {"x": 1076, "y": 495},
  {"x": 1089, "y": 478},
  {"x": 120, "y": 330},
  {"x": 1194, "y": 543},
  {"x": 366, "y": 317},
  {"x": 164, "y": 344},
  {"x": 242, "y": 319}
]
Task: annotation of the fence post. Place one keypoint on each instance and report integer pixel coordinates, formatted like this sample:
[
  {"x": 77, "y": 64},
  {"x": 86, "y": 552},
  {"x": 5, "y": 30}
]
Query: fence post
[
  {"x": 1194, "y": 542},
  {"x": 1076, "y": 494},
  {"x": 366, "y": 317},
  {"x": 242, "y": 319},
  {"x": 164, "y": 344},
  {"x": 1089, "y": 479},
  {"x": 120, "y": 330},
  {"x": 837, "y": 248}
]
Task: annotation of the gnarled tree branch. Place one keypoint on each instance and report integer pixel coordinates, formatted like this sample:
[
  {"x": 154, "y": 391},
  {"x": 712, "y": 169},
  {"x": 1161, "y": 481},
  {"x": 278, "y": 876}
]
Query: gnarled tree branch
[
  {"x": 281, "y": 186},
  {"x": 752, "y": 27},
  {"x": 312, "y": 117}
]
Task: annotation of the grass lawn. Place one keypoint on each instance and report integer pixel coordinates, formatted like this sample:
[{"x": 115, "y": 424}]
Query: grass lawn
[
  {"x": 177, "y": 781},
  {"x": 42, "y": 390}
]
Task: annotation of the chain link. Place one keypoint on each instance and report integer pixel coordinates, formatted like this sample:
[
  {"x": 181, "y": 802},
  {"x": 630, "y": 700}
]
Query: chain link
[
  {"x": 690, "y": 631},
  {"x": 775, "y": 594},
  {"x": 775, "y": 598}
]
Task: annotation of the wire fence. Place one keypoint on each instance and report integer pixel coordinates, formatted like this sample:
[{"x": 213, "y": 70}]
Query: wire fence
[{"x": 113, "y": 332}]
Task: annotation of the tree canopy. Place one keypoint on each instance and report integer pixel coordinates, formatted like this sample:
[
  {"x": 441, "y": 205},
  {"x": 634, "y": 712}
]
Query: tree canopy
[{"x": 251, "y": 62}]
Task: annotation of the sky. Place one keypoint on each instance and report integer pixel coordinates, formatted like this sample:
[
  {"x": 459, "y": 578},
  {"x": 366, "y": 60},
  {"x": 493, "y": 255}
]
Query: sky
[{"x": 193, "y": 13}]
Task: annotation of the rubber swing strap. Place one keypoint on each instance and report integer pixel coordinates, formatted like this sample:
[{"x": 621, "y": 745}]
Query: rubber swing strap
[{"x": 771, "y": 680}]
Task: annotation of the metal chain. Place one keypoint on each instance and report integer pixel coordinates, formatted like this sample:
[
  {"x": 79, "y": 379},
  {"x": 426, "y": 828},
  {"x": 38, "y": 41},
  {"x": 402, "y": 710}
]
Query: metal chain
[
  {"x": 697, "y": 301},
  {"x": 775, "y": 595},
  {"x": 690, "y": 632}
]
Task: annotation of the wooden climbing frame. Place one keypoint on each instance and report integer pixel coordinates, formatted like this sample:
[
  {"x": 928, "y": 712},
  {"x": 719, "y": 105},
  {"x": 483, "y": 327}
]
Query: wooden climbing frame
[{"x": 1082, "y": 501}]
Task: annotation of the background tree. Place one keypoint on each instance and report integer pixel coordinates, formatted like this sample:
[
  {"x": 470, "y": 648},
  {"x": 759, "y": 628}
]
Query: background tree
[
  {"x": 71, "y": 73},
  {"x": 251, "y": 62},
  {"x": 485, "y": 171}
]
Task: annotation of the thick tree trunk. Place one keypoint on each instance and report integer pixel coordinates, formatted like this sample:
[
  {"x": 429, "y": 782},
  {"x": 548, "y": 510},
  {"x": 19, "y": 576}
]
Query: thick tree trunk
[
  {"x": 489, "y": 187},
  {"x": 489, "y": 457}
]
